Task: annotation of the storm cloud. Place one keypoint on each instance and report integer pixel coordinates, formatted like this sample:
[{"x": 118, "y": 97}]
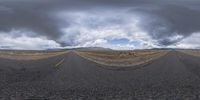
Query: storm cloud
[
  {"x": 170, "y": 20},
  {"x": 151, "y": 23}
]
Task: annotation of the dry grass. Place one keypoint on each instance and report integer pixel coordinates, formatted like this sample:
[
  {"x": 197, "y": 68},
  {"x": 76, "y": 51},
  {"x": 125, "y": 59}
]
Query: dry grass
[
  {"x": 191, "y": 52},
  {"x": 29, "y": 55},
  {"x": 122, "y": 58}
]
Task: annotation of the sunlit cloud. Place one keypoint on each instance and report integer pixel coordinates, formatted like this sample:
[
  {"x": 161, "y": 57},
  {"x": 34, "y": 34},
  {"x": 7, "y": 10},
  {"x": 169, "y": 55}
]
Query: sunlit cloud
[
  {"x": 189, "y": 42},
  {"x": 21, "y": 42},
  {"x": 88, "y": 29}
]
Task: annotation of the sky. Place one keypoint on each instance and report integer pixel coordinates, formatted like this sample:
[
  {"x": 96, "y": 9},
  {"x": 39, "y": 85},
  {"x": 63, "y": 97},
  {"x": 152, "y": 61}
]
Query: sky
[{"x": 115, "y": 24}]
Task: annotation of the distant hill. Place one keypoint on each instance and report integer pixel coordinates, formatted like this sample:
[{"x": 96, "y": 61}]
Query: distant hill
[{"x": 92, "y": 48}]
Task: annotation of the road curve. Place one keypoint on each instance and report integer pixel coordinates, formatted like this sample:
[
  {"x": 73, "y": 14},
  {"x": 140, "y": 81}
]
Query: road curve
[{"x": 69, "y": 76}]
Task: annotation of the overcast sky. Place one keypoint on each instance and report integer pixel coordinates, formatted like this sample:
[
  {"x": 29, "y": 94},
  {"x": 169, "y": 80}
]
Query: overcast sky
[{"x": 116, "y": 24}]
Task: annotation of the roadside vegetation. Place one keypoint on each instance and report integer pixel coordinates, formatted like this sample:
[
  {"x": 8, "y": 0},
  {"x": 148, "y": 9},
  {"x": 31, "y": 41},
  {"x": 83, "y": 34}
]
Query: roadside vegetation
[
  {"x": 193, "y": 52},
  {"x": 29, "y": 54},
  {"x": 122, "y": 58}
]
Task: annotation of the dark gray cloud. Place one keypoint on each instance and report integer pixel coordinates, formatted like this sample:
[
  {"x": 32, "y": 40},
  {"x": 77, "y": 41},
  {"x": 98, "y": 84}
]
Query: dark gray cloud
[
  {"x": 163, "y": 18},
  {"x": 32, "y": 19},
  {"x": 37, "y": 15},
  {"x": 170, "y": 20}
]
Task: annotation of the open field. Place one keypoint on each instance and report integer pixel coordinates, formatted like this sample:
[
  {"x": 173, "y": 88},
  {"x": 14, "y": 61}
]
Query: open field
[
  {"x": 193, "y": 52},
  {"x": 28, "y": 54},
  {"x": 122, "y": 58},
  {"x": 72, "y": 76}
]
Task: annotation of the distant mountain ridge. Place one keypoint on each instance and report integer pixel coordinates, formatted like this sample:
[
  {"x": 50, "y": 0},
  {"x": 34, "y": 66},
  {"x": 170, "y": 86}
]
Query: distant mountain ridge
[{"x": 92, "y": 48}]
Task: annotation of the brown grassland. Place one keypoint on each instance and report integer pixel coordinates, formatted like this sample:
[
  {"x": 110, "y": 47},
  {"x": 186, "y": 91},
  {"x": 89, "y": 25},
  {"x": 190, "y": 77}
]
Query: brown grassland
[
  {"x": 28, "y": 55},
  {"x": 122, "y": 58},
  {"x": 193, "y": 52}
]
